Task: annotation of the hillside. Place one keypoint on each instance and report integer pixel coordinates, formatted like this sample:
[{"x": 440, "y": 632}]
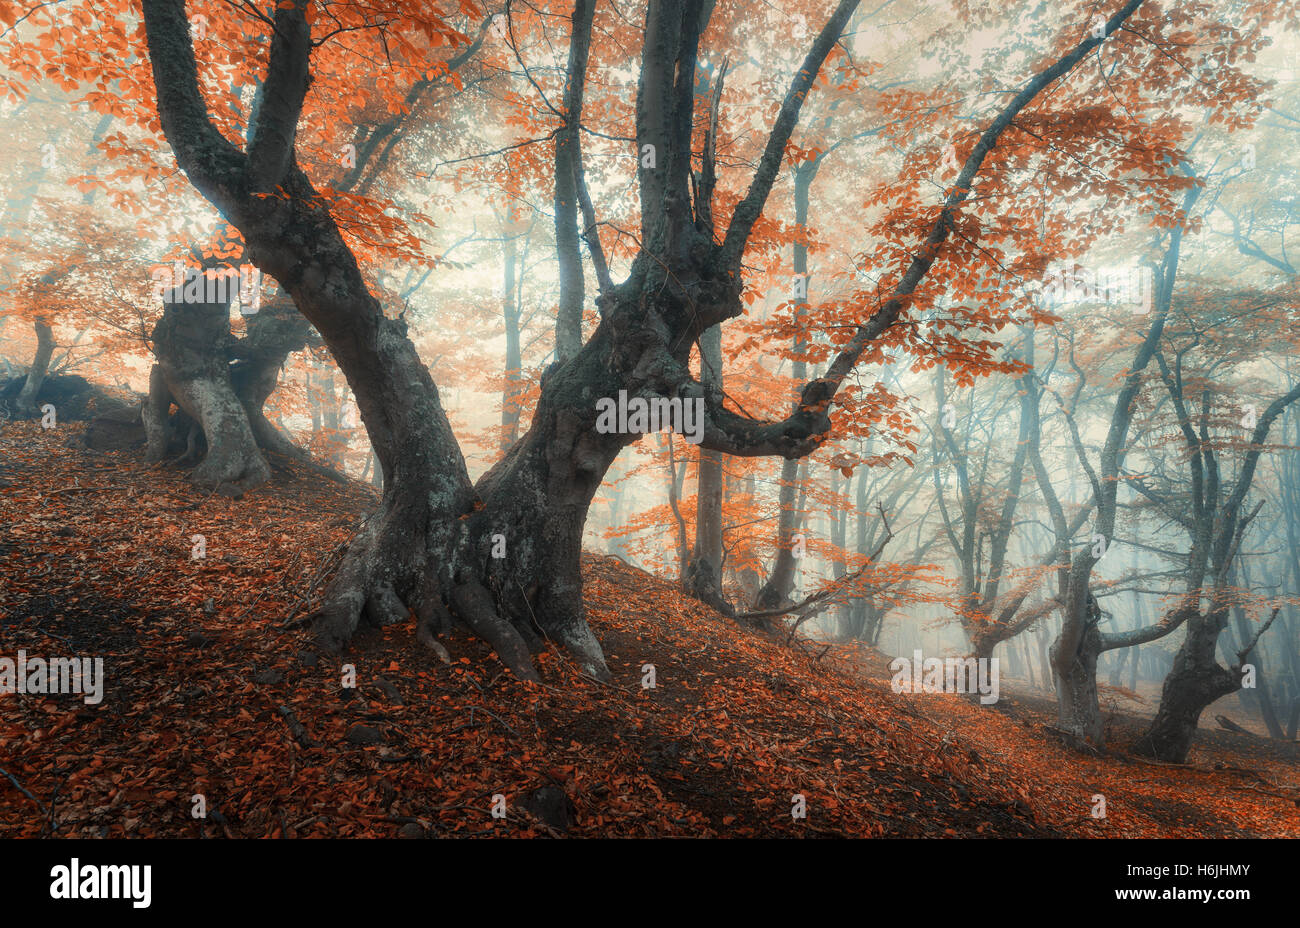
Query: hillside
[{"x": 214, "y": 687}]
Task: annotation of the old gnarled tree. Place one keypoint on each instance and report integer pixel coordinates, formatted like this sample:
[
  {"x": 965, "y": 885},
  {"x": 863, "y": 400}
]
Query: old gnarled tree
[{"x": 428, "y": 547}]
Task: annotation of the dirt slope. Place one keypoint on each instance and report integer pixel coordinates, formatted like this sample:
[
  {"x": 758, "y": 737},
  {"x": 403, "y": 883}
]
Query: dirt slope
[{"x": 214, "y": 688}]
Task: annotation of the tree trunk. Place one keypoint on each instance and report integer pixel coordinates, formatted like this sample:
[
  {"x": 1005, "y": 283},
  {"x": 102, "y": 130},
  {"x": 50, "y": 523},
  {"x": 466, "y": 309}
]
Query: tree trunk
[
  {"x": 1194, "y": 682},
  {"x": 1260, "y": 695},
  {"x": 568, "y": 181},
  {"x": 191, "y": 343},
  {"x": 1117, "y": 667},
  {"x": 274, "y": 333},
  {"x": 839, "y": 530},
  {"x": 26, "y": 401},
  {"x": 1075, "y": 678},
  {"x": 676, "y": 479},
  {"x": 704, "y": 572},
  {"x": 780, "y": 582},
  {"x": 1027, "y": 658},
  {"x": 510, "y": 398},
  {"x": 1044, "y": 662},
  {"x": 430, "y": 543}
]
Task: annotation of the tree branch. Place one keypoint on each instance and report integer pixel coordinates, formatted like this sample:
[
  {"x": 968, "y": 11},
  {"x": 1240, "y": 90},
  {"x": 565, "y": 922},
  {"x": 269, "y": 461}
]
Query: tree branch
[
  {"x": 1245, "y": 652},
  {"x": 213, "y": 164},
  {"x": 823, "y": 390},
  {"x": 807, "y": 426},
  {"x": 568, "y": 170},
  {"x": 270, "y": 149},
  {"x": 749, "y": 209}
]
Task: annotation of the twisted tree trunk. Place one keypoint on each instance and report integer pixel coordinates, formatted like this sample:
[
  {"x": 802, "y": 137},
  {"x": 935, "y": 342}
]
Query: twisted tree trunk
[
  {"x": 191, "y": 345},
  {"x": 1195, "y": 681},
  {"x": 221, "y": 385}
]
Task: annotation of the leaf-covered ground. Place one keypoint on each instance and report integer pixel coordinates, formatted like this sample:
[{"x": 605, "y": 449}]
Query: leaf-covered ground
[{"x": 215, "y": 688}]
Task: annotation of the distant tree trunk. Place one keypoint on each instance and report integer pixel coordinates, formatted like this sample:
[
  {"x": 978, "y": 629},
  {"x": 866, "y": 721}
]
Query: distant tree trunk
[
  {"x": 194, "y": 350},
  {"x": 1075, "y": 651},
  {"x": 1139, "y": 619},
  {"x": 1044, "y": 663},
  {"x": 1117, "y": 667},
  {"x": 314, "y": 402},
  {"x": 333, "y": 417},
  {"x": 1194, "y": 682},
  {"x": 1027, "y": 658},
  {"x": 326, "y": 411},
  {"x": 40, "y": 364},
  {"x": 1196, "y": 679},
  {"x": 780, "y": 583},
  {"x": 1261, "y": 696},
  {"x": 776, "y": 591},
  {"x": 617, "y": 500},
  {"x": 1290, "y": 621},
  {"x": 859, "y": 606},
  {"x": 192, "y": 343},
  {"x": 1257, "y": 700},
  {"x": 704, "y": 572},
  {"x": 514, "y": 358},
  {"x": 676, "y": 479},
  {"x": 746, "y": 577},
  {"x": 839, "y": 530}
]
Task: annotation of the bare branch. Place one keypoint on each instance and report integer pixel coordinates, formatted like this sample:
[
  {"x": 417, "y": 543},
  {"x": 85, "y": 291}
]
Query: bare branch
[
  {"x": 1245, "y": 652},
  {"x": 748, "y": 210}
]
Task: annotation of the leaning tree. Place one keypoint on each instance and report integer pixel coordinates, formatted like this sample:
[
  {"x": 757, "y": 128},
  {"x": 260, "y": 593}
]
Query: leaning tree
[{"x": 428, "y": 548}]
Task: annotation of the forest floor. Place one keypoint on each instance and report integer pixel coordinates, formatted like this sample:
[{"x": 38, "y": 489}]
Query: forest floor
[{"x": 214, "y": 688}]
